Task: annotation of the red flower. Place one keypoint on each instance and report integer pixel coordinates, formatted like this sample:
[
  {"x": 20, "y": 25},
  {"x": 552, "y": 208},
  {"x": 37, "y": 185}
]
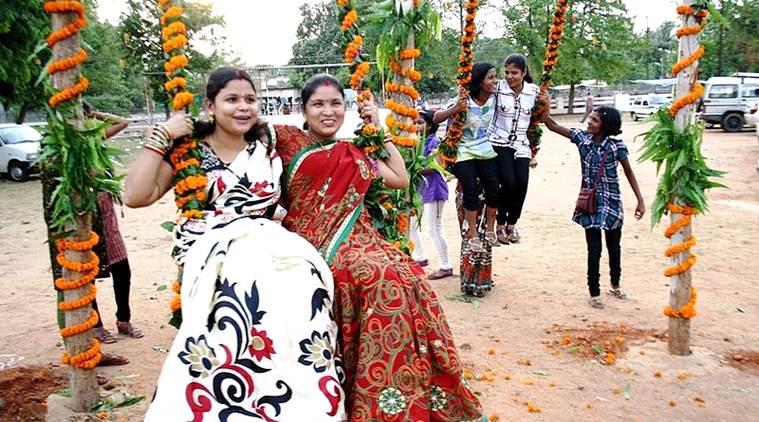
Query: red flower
[{"x": 260, "y": 345}]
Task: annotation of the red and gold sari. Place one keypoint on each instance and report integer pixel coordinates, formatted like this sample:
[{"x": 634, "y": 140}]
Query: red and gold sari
[{"x": 399, "y": 358}]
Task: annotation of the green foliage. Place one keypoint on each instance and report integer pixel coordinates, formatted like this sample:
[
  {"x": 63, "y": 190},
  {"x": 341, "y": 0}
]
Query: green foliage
[
  {"x": 23, "y": 25},
  {"x": 84, "y": 165},
  {"x": 319, "y": 40},
  {"x": 686, "y": 176},
  {"x": 141, "y": 34},
  {"x": 732, "y": 45},
  {"x": 596, "y": 39}
]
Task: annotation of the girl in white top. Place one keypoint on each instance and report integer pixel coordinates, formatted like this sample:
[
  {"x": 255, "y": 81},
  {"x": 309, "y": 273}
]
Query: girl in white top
[{"x": 515, "y": 98}]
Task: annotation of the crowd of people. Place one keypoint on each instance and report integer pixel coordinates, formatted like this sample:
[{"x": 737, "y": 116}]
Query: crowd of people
[{"x": 326, "y": 320}]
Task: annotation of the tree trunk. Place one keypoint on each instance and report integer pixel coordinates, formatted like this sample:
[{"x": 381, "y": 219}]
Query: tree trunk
[
  {"x": 680, "y": 285},
  {"x": 571, "y": 100},
  {"x": 22, "y": 113},
  {"x": 83, "y": 382}
]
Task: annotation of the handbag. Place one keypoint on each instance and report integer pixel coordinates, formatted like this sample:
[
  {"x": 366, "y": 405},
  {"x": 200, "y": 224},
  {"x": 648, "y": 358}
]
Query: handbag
[{"x": 586, "y": 200}]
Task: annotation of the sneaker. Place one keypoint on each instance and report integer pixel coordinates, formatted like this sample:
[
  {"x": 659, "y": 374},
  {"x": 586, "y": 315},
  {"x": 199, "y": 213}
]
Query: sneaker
[
  {"x": 441, "y": 273},
  {"x": 596, "y": 303}
]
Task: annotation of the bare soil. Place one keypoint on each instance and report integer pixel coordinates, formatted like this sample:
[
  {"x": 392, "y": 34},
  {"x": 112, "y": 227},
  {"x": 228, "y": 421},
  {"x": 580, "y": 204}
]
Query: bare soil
[{"x": 512, "y": 341}]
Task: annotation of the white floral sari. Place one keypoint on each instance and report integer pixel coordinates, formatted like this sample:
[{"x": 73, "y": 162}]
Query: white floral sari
[{"x": 258, "y": 336}]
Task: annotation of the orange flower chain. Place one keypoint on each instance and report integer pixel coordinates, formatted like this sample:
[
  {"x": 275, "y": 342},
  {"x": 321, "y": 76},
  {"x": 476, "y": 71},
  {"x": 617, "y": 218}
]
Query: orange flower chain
[
  {"x": 697, "y": 90},
  {"x": 368, "y": 136},
  {"x": 450, "y": 144},
  {"x": 87, "y": 359},
  {"x": 688, "y": 311},
  {"x": 71, "y": 62},
  {"x": 399, "y": 127},
  {"x": 555, "y": 33}
]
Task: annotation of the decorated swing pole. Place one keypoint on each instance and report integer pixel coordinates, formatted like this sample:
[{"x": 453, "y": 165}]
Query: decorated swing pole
[
  {"x": 688, "y": 90},
  {"x": 80, "y": 264}
]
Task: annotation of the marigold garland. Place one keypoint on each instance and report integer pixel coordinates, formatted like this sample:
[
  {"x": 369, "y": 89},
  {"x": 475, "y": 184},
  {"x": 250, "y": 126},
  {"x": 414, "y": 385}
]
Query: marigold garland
[
  {"x": 189, "y": 178},
  {"x": 87, "y": 359},
  {"x": 67, "y": 63},
  {"x": 71, "y": 29},
  {"x": 449, "y": 146},
  {"x": 696, "y": 89},
  {"x": 688, "y": 311},
  {"x": 555, "y": 33}
]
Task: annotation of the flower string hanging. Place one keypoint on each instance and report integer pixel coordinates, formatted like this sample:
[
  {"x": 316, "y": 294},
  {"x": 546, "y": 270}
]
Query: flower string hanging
[
  {"x": 555, "y": 33},
  {"x": 402, "y": 128},
  {"x": 449, "y": 146},
  {"x": 90, "y": 357},
  {"x": 696, "y": 89},
  {"x": 369, "y": 138},
  {"x": 185, "y": 157}
]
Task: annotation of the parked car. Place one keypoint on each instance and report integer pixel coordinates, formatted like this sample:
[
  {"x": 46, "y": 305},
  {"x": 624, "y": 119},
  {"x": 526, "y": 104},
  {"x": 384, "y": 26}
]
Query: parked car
[
  {"x": 19, "y": 149},
  {"x": 645, "y": 106},
  {"x": 727, "y": 100}
]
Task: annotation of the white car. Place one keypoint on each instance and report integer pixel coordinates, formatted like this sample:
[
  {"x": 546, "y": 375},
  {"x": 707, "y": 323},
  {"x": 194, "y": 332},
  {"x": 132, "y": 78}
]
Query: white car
[
  {"x": 19, "y": 149},
  {"x": 647, "y": 105}
]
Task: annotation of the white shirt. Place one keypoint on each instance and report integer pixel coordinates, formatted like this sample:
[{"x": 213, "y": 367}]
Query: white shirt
[{"x": 507, "y": 105}]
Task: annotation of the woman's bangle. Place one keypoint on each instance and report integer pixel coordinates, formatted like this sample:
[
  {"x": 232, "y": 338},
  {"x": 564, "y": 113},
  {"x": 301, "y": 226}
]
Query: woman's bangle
[{"x": 168, "y": 132}]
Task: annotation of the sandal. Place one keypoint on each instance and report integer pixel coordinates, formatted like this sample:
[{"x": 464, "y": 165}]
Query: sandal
[
  {"x": 126, "y": 328},
  {"x": 491, "y": 238},
  {"x": 109, "y": 359},
  {"x": 475, "y": 245},
  {"x": 502, "y": 236},
  {"x": 441, "y": 273},
  {"x": 513, "y": 235},
  {"x": 618, "y": 293},
  {"x": 596, "y": 303},
  {"x": 423, "y": 262},
  {"x": 104, "y": 336}
]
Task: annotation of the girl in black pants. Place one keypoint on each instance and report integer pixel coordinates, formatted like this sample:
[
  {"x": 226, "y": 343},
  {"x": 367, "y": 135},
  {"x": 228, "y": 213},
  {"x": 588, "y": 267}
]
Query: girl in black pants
[
  {"x": 599, "y": 154},
  {"x": 515, "y": 98},
  {"x": 475, "y": 165}
]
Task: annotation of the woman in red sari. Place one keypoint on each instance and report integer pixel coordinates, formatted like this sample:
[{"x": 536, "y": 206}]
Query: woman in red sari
[{"x": 398, "y": 354}]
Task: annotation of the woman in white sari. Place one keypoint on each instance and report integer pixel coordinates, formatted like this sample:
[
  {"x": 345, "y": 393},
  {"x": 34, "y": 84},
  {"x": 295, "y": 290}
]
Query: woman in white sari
[{"x": 257, "y": 339}]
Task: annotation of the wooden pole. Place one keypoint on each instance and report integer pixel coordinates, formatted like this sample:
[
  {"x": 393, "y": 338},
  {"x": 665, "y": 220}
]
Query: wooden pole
[
  {"x": 83, "y": 382},
  {"x": 680, "y": 285}
]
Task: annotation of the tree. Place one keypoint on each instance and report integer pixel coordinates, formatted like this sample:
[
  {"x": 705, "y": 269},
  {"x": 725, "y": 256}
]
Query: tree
[
  {"x": 318, "y": 41},
  {"x": 141, "y": 34},
  {"x": 733, "y": 49},
  {"x": 595, "y": 43},
  {"x": 23, "y": 25}
]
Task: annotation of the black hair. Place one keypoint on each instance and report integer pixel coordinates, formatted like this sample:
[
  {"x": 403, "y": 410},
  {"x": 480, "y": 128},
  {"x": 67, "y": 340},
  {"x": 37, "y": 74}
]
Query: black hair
[
  {"x": 520, "y": 62},
  {"x": 479, "y": 71},
  {"x": 428, "y": 115},
  {"x": 86, "y": 107},
  {"x": 312, "y": 84},
  {"x": 611, "y": 121},
  {"x": 219, "y": 79}
]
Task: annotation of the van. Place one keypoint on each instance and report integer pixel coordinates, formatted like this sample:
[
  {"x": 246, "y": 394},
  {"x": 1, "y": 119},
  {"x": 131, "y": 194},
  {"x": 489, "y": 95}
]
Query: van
[
  {"x": 647, "y": 105},
  {"x": 727, "y": 100}
]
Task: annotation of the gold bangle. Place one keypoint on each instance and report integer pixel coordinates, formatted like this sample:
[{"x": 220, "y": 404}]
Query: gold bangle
[{"x": 167, "y": 129}]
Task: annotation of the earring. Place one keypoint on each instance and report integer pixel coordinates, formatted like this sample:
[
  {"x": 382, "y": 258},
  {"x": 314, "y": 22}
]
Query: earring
[{"x": 210, "y": 118}]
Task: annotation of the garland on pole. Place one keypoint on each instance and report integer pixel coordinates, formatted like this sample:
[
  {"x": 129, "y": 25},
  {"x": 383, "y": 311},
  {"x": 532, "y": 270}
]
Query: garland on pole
[
  {"x": 368, "y": 137},
  {"x": 84, "y": 168},
  {"x": 555, "y": 33},
  {"x": 450, "y": 145},
  {"x": 686, "y": 176},
  {"x": 189, "y": 178}
]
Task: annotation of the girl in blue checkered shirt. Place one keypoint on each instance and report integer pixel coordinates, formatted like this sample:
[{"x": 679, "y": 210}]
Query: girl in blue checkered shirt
[{"x": 597, "y": 146}]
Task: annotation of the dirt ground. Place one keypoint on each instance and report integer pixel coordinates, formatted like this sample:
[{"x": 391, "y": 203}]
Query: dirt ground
[{"x": 534, "y": 348}]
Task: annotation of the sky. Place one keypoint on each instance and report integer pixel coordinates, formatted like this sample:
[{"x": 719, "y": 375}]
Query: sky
[{"x": 263, "y": 31}]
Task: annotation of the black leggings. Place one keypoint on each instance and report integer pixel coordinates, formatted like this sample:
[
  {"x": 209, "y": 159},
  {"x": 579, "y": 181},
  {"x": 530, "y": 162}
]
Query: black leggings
[
  {"x": 121, "y": 275},
  {"x": 472, "y": 175},
  {"x": 613, "y": 245},
  {"x": 513, "y": 174}
]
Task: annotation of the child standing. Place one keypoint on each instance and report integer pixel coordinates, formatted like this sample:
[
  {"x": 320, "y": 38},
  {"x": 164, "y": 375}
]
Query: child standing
[
  {"x": 434, "y": 191},
  {"x": 599, "y": 154}
]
